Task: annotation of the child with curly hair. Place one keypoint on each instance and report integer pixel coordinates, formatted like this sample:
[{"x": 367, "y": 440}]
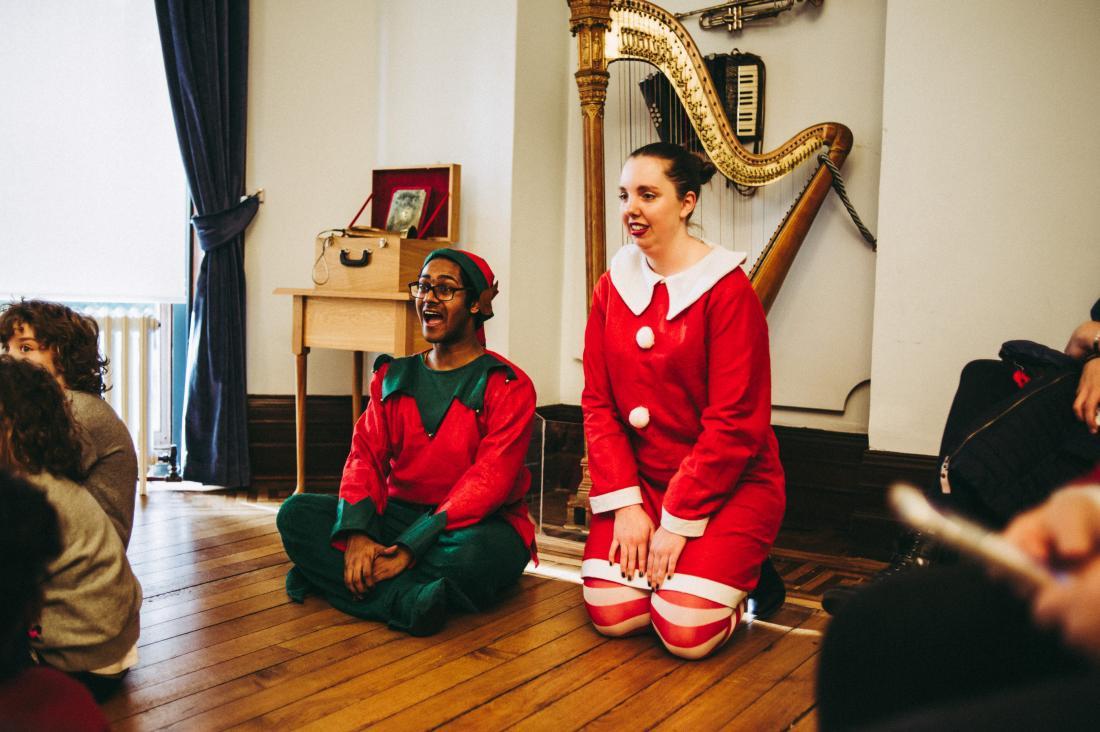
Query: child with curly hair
[
  {"x": 66, "y": 344},
  {"x": 91, "y": 599}
]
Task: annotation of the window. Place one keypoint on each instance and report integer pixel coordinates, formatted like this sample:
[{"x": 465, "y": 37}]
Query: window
[{"x": 93, "y": 190}]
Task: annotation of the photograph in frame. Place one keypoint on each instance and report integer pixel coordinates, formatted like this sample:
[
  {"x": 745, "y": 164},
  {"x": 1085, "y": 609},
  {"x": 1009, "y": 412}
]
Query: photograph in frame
[{"x": 406, "y": 209}]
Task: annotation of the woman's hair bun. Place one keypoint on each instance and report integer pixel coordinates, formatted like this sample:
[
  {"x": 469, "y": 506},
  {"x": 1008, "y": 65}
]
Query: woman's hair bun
[{"x": 707, "y": 169}]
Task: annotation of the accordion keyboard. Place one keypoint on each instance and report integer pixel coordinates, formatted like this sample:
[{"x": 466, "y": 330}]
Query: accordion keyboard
[{"x": 748, "y": 85}]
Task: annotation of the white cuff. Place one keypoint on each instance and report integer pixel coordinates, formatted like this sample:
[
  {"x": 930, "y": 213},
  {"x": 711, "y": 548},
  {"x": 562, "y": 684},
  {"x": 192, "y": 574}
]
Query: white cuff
[
  {"x": 689, "y": 584},
  {"x": 683, "y": 527},
  {"x": 615, "y": 499}
]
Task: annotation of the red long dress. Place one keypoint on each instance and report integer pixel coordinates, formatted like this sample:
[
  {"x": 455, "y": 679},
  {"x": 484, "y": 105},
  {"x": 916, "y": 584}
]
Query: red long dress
[{"x": 677, "y": 414}]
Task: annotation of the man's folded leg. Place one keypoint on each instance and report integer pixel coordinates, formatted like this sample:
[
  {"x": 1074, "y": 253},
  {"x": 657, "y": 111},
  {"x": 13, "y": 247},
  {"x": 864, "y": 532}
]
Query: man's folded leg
[{"x": 464, "y": 570}]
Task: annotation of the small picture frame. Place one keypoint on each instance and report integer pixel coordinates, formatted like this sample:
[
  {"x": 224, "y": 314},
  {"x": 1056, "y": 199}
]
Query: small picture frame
[{"x": 406, "y": 209}]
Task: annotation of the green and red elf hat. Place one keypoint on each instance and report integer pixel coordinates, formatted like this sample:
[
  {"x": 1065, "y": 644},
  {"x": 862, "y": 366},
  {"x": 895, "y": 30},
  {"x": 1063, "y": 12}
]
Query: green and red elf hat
[{"x": 480, "y": 277}]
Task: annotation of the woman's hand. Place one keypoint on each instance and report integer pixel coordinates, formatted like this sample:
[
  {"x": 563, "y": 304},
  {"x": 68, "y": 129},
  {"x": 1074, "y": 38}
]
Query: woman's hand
[
  {"x": 1062, "y": 531},
  {"x": 1088, "y": 395},
  {"x": 391, "y": 561},
  {"x": 633, "y": 530},
  {"x": 1080, "y": 343},
  {"x": 359, "y": 558},
  {"x": 1073, "y": 607},
  {"x": 664, "y": 551},
  {"x": 1065, "y": 532}
]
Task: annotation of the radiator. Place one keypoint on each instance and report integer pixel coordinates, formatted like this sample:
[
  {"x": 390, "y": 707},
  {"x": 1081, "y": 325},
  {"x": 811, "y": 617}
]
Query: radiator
[{"x": 129, "y": 338}]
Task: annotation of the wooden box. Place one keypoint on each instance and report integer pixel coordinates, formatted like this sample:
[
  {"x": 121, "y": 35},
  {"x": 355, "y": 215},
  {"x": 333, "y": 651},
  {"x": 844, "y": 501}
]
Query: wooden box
[
  {"x": 382, "y": 262},
  {"x": 441, "y": 210},
  {"x": 368, "y": 258}
]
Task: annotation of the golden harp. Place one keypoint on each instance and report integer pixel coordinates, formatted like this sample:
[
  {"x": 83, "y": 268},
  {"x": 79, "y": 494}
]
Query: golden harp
[{"x": 613, "y": 30}]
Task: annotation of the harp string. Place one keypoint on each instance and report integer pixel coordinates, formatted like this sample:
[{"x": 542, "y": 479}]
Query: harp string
[{"x": 723, "y": 216}]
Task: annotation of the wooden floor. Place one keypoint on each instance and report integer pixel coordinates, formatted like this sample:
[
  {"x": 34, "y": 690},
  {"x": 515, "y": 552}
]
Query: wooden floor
[{"x": 222, "y": 647}]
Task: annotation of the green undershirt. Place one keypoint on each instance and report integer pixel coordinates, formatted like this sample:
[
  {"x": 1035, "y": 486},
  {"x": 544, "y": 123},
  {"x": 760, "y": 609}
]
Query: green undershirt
[{"x": 435, "y": 391}]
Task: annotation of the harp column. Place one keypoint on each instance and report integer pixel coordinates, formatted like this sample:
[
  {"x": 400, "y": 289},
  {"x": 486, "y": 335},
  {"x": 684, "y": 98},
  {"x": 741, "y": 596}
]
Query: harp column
[{"x": 589, "y": 22}]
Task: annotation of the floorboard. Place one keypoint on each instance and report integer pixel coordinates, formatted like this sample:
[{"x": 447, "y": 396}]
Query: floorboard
[{"x": 223, "y": 648}]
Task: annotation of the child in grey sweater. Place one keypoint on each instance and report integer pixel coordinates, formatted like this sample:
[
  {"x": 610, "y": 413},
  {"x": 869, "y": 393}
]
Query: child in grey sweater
[{"x": 66, "y": 344}]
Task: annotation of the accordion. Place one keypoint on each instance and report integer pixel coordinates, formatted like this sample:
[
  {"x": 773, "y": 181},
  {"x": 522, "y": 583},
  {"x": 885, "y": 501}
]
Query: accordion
[{"x": 738, "y": 78}]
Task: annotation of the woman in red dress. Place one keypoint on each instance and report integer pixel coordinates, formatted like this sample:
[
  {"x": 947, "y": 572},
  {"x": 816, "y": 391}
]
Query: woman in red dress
[{"x": 688, "y": 491}]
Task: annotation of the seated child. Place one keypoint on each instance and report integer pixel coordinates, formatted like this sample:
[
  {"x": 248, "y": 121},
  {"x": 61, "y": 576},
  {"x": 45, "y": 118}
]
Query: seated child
[
  {"x": 65, "y": 343},
  {"x": 32, "y": 697},
  {"x": 89, "y": 620},
  {"x": 430, "y": 515}
]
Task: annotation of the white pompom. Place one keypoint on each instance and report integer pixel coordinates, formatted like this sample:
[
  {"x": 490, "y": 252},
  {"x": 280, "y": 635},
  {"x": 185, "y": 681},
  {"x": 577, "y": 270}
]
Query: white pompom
[
  {"x": 645, "y": 337},
  {"x": 639, "y": 417}
]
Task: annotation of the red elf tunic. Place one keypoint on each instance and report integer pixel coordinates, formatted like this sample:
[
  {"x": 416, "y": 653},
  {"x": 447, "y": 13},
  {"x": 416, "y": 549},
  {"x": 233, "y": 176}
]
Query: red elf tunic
[
  {"x": 455, "y": 440},
  {"x": 677, "y": 414}
]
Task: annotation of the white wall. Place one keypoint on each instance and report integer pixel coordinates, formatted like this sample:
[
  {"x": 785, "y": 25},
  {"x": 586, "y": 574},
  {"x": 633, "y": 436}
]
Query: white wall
[
  {"x": 447, "y": 95},
  {"x": 312, "y": 131},
  {"x": 987, "y": 214},
  {"x": 534, "y": 286},
  {"x": 89, "y": 160}
]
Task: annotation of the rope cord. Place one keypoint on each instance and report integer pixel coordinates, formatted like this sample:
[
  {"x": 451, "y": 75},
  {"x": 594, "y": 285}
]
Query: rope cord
[
  {"x": 329, "y": 237},
  {"x": 838, "y": 185}
]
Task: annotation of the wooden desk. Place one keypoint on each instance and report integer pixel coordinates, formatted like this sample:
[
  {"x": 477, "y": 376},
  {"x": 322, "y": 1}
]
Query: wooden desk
[{"x": 382, "y": 322}]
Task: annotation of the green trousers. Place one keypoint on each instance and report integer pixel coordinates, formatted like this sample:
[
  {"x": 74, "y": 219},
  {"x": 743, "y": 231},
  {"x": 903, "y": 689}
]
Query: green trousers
[{"x": 465, "y": 570}]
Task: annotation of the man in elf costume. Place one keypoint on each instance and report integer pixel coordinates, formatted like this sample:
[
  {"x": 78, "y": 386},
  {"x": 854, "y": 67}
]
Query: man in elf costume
[{"x": 430, "y": 515}]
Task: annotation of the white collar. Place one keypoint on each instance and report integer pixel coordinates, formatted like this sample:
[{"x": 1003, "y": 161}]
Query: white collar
[{"x": 634, "y": 280}]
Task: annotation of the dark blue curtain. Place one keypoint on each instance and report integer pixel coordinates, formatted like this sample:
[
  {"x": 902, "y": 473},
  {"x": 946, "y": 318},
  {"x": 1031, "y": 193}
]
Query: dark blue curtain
[{"x": 205, "y": 45}]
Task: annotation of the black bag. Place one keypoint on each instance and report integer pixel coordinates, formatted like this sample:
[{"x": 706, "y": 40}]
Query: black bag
[
  {"x": 1025, "y": 446},
  {"x": 1035, "y": 359}
]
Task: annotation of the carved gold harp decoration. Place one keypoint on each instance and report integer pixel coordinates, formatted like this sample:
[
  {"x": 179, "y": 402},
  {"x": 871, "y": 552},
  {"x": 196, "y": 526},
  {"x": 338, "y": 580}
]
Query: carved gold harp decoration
[{"x": 613, "y": 30}]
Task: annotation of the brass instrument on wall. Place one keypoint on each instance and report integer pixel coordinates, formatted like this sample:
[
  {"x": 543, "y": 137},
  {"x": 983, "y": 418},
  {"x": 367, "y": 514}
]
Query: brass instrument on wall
[
  {"x": 735, "y": 14},
  {"x": 613, "y": 30}
]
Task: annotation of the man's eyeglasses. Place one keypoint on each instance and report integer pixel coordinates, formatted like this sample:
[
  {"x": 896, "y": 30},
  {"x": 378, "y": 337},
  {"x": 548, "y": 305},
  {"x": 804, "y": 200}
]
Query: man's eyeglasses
[{"x": 443, "y": 292}]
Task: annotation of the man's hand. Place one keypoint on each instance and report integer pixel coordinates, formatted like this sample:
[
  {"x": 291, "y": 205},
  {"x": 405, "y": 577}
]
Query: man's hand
[
  {"x": 633, "y": 530},
  {"x": 1088, "y": 395},
  {"x": 359, "y": 558},
  {"x": 392, "y": 561},
  {"x": 664, "y": 551}
]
